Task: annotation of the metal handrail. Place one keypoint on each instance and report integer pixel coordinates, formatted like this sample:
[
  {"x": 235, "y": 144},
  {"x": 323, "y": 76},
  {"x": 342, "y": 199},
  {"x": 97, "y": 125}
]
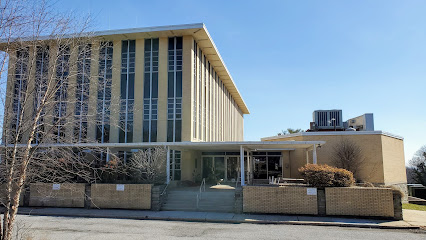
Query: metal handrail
[
  {"x": 202, "y": 189},
  {"x": 164, "y": 191}
]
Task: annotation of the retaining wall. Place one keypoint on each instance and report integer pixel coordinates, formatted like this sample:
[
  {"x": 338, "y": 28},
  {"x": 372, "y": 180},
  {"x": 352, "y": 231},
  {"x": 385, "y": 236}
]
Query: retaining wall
[
  {"x": 57, "y": 195},
  {"x": 126, "y": 196},
  {"x": 374, "y": 202},
  {"x": 283, "y": 199},
  {"x": 3, "y": 193}
]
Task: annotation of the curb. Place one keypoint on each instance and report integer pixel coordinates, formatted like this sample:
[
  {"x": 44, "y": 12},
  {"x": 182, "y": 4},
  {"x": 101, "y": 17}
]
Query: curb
[{"x": 230, "y": 221}]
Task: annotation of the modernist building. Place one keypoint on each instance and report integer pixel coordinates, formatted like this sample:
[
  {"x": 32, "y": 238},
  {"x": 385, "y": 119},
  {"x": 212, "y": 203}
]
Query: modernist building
[
  {"x": 158, "y": 86},
  {"x": 138, "y": 88}
]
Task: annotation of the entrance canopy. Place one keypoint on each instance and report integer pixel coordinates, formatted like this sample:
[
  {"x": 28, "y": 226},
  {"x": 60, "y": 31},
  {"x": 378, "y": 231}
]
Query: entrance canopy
[{"x": 198, "y": 146}]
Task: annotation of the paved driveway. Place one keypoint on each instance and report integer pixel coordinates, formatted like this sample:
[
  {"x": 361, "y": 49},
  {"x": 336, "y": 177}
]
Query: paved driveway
[{"x": 41, "y": 227}]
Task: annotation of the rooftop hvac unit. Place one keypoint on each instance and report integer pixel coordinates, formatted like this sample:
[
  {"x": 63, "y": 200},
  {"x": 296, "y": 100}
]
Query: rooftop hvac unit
[{"x": 328, "y": 119}]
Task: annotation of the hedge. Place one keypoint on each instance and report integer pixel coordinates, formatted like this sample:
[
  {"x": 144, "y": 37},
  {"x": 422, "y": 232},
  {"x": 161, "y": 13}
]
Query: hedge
[{"x": 326, "y": 176}]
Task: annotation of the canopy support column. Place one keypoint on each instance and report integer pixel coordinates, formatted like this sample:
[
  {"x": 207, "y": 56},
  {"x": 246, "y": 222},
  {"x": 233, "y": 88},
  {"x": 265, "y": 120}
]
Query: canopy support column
[
  {"x": 314, "y": 154},
  {"x": 242, "y": 166},
  {"x": 307, "y": 156},
  {"x": 107, "y": 155}
]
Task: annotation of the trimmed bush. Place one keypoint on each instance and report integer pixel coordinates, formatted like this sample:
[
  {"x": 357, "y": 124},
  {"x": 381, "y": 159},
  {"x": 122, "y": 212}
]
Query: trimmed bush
[
  {"x": 343, "y": 178},
  {"x": 326, "y": 176}
]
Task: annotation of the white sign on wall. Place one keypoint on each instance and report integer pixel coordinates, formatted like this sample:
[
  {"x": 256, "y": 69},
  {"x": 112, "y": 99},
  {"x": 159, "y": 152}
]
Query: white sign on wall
[
  {"x": 120, "y": 187},
  {"x": 311, "y": 191},
  {"x": 56, "y": 186}
]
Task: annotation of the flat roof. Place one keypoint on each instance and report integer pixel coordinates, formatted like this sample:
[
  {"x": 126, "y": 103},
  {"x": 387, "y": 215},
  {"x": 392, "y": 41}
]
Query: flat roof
[
  {"x": 333, "y": 133},
  {"x": 199, "y": 146},
  {"x": 199, "y": 33}
]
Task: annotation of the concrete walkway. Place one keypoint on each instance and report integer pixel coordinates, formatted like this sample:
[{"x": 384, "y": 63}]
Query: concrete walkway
[{"x": 413, "y": 219}]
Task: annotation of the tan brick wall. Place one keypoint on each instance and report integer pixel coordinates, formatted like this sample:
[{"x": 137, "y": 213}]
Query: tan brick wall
[
  {"x": 372, "y": 169},
  {"x": 285, "y": 200},
  {"x": 376, "y": 202},
  {"x": 134, "y": 196},
  {"x": 3, "y": 194},
  {"x": 393, "y": 160},
  {"x": 69, "y": 195}
]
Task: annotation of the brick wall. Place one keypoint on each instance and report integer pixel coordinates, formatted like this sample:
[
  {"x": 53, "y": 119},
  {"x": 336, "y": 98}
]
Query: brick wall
[
  {"x": 63, "y": 195},
  {"x": 127, "y": 196},
  {"x": 377, "y": 202},
  {"x": 3, "y": 194},
  {"x": 273, "y": 199}
]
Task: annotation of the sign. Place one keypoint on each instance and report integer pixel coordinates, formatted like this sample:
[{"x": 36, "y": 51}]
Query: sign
[
  {"x": 56, "y": 186},
  {"x": 120, "y": 187},
  {"x": 311, "y": 191}
]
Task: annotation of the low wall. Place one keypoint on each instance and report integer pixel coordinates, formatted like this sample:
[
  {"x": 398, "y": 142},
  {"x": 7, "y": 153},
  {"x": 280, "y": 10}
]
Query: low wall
[
  {"x": 127, "y": 196},
  {"x": 3, "y": 194},
  {"x": 57, "y": 195},
  {"x": 352, "y": 201},
  {"x": 283, "y": 199}
]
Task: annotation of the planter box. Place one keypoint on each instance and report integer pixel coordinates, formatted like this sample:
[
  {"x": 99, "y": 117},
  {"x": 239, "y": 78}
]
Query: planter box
[
  {"x": 352, "y": 201},
  {"x": 57, "y": 195},
  {"x": 126, "y": 196},
  {"x": 283, "y": 199}
]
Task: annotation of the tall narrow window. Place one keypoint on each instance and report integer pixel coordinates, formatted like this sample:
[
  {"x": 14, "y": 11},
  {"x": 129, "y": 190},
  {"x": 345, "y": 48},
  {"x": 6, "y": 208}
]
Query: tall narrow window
[
  {"x": 127, "y": 91},
  {"x": 82, "y": 92},
  {"x": 19, "y": 88},
  {"x": 174, "y": 102},
  {"x": 150, "y": 98},
  {"x": 194, "y": 113},
  {"x": 200, "y": 95},
  {"x": 205, "y": 99},
  {"x": 41, "y": 77},
  {"x": 62, "y": 73},
  {"x": 174, "y": 112},
  {"x": 104, "y": 92},
  {"x": 208, "y": 86}
]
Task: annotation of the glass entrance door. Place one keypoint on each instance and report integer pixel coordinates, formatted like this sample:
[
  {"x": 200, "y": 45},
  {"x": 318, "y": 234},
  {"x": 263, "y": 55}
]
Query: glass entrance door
[
  {"x": 260, "y": 167},
  {"x": 219, "y": 167},
  {"x": 232, "y": 168},
  {"x": 214, "y": 166},
  {"x": 207, "y": 166}
]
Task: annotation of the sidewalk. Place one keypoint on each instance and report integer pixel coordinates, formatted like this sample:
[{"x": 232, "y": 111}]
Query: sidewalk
[{"x": 412, "y": 221}]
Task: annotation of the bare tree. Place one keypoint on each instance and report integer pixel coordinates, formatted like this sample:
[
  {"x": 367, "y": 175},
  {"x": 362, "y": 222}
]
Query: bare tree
[
  {"x": 418, "y": 163},
  {"x": 46, "y": 111},
  {"x": 149, "y": 165},
  {"x": 348, "y": 155}
]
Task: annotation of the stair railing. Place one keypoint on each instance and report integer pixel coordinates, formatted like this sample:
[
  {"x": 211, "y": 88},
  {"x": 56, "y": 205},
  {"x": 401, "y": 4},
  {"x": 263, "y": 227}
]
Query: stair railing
[{"x": 202, "y": 189}]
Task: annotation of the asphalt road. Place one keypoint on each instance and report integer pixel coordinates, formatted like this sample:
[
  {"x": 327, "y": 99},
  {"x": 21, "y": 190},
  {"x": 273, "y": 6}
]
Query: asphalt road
[{"x": 40, "y": 227}]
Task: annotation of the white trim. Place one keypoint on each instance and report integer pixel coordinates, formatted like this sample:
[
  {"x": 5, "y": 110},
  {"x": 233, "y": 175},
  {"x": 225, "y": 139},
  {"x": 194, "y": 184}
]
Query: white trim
[
  {"x": 247, "y": 144},
  {"x": 333, "y": 133}
]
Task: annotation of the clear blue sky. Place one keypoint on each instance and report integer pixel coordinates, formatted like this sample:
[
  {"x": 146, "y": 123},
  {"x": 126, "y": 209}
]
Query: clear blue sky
[{"x": 289, "y": 58}]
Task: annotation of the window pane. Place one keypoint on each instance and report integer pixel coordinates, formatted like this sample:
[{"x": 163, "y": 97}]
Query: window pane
[
  {"x": 178, "y": 130},
  {"x": 170, "y": 131},
  {"x": 146, "y": 86},
  {"x": 170, "y": 85},
  {"x": 145, "y": 131},
  {"x": 155, "y": 85},
  {"x": 153, "y": 131},
  {"x": 179, "y": 84}
]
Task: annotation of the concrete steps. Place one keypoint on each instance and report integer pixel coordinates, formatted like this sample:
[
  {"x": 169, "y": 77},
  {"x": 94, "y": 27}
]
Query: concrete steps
[{"x": 211, "y": 200}]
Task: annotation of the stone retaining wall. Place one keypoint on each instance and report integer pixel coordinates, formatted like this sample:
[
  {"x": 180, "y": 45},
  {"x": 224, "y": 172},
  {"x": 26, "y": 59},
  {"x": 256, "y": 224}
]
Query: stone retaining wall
[
  {"x": 126, "y": 196},
  {"x": 57, "y": 195},
  {"x": 283, "y": 200}
]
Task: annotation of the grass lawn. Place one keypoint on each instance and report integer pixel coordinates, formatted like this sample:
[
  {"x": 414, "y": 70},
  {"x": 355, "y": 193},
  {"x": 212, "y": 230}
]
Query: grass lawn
[{"x": 414, "y": 206}]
